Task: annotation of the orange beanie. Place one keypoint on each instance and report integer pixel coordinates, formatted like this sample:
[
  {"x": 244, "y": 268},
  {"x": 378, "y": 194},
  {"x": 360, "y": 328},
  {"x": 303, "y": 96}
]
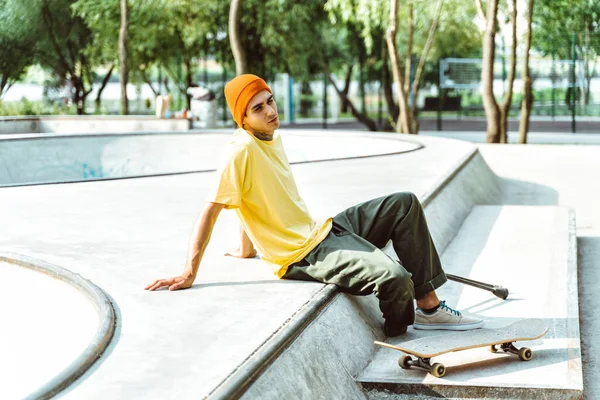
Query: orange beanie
[{"x": 240, "y": 90}]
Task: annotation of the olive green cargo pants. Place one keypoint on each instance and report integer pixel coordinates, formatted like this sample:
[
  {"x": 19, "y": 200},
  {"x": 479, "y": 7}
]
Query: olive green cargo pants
[{"x": 351, "y": 256}]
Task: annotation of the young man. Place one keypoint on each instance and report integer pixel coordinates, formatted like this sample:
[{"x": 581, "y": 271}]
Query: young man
[{"x": 345, "y": 250}]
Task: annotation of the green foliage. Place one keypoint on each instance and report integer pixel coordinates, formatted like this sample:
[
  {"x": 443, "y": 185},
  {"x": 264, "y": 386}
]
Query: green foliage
[
  {"x": 457, "y": 34},
  {"x": 16, "y": 44},
  {"x": 28, "y": 107},
  {"x": 162, "y": 33},
  {"x": 55, "y": 39},
  {"x": 579, "y": 16},
  {"x": 286, "y": 36}
]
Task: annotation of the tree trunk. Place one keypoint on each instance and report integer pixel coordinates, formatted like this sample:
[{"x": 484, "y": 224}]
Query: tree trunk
[
  {"x": 80, "y": 94},
  {"x": 480, "y": 11},
  {"x": 369, "y": 123},
  {"x": 361, "y": 76},
  {"x": 505, "y": 108},
  {"x": 409, "y": 46},
  {"x": 149, "y": 83},
  {"x": 388, "y": 91},
  {"x": 527, "y": 82},
  {"x": 423, "y": 59},
  {"x": 492, "y": 112},
  {"x": 239, "y": 54},
  {"x": 404, "y": 123},
  {"x": 189, "y": 81},
  {"x": 589, "y": 76},
  {"x": 587, "y": 56},
  {"x": 124, "y": 56},
  {"x": 101, "y": 88},
  {"x": 347, "y": 82},
  {"x": 3, "y": 85}
]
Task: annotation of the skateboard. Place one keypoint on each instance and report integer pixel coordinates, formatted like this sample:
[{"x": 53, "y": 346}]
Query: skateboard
[{"x": 497, "y": 340}]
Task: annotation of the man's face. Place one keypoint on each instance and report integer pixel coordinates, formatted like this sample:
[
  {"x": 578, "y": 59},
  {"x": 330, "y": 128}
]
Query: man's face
[{"x": 261, "y": 114}]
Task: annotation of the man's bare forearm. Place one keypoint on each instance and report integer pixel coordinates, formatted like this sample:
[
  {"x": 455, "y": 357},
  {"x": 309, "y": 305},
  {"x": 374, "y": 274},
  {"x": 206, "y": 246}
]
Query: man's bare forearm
[{"x": 200, "y": 237}]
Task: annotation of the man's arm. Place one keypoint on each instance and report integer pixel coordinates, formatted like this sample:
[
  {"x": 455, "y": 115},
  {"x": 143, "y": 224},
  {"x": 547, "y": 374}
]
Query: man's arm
[
  {"x": 198, "y": 242},
  {"x": 246, "y": 249}
]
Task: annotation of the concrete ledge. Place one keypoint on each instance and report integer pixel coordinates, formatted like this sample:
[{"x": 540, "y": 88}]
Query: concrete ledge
[
  {"x": 332, "y": 348},
  {"x": 90, "y": 124},
  {"x": 106, "y": 322},
  {"x": 531, "y": 251}
]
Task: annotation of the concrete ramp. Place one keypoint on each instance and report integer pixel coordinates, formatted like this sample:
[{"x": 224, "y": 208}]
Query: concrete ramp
[{"x": 532, "y": 251}]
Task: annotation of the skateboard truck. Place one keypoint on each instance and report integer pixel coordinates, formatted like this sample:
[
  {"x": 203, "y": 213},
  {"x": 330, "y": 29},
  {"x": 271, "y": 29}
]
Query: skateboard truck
[
  {"x": 524, "y": 353},
  {"x": 438, "y": 369}
]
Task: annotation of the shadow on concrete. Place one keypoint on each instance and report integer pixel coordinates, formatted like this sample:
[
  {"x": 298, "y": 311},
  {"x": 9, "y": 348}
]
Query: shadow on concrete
[
  {"x": 495, "y": 304},
  {"x": 589, "y": 280},
  {"x": 517, "y": 192}
]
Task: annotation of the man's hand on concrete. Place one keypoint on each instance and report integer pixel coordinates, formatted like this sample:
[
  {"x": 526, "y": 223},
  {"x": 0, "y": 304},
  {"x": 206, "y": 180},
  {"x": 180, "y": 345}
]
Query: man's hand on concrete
[
  {"x": 175, "y": 283},
  {"x": 239, "y": 254}
]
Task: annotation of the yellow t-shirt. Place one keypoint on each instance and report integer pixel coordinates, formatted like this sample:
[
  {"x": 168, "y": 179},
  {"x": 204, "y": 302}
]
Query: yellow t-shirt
[{"x": 256, "y": 180}]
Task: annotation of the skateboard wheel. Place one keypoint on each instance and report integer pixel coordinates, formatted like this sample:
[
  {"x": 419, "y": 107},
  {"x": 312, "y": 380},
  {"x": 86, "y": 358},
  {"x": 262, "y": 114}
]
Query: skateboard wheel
[
  {"x": 404, "y": 362},
  {"x": 525, "y": 354},
  {"x": 438, "y": 370},
  {"x": 493, "y": 348}
]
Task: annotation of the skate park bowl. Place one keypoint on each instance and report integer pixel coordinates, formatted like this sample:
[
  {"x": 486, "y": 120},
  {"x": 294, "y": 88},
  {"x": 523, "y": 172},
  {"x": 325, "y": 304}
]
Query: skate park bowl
[
  {"x": 241, "y": 333},
  {"x": 41, "y": 159},
  {"x": 60, "y": 324},
  {"x": 68, "y": 124}
]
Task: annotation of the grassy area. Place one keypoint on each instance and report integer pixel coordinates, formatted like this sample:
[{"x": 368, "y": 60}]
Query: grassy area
[{"x": 27, "y": 107}]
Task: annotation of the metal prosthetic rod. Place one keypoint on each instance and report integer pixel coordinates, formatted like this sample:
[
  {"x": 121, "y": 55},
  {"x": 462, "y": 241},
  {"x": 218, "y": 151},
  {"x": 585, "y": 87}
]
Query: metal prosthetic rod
[{"x": 498, "y": 291}]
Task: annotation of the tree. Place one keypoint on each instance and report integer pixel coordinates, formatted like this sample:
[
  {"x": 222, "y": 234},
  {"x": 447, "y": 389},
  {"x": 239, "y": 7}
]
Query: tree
[
  {"x": 492, "y": 111},
  {"x": 416, "y": 38},
  {"x": 505, "y": 106},
  {"x": 103, "y": 20},
  {"x": 404, "y": 121},
  {"x": 573, "y": 16},
  {"x": 16, "y": 44},
  {"x": 527, "y": 82},
  {"x": 238, "y": 50},
  {"x": 169, "y": 36},
  {"x": 60, "y": 40},
  {"x": 123, "y": 56}
]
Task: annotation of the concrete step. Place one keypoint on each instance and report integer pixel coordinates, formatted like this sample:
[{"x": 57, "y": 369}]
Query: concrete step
[{"x": 530, "y": 250}]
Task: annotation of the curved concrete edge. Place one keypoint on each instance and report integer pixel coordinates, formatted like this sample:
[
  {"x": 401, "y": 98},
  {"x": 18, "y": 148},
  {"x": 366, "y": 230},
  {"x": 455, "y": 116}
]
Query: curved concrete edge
[
  {"x": 234, "y": 386},
  {"x": 104, "y": 334},
  {"x": 240, "y": 379},
  {"x": 447, "y": 178}
]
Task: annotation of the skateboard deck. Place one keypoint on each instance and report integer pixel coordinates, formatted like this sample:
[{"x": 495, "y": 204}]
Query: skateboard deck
[{"x": 497, "y": 340}]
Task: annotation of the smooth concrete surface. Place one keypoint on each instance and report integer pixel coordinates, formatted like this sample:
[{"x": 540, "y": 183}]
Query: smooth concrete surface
[
  {"x": 42, "y": 159},
  {"x": 123, "y": 234},
  {"x": 90, "y": 124},
  {"x": 531, "y": 251},
  {"x": 46, "y": 324}
]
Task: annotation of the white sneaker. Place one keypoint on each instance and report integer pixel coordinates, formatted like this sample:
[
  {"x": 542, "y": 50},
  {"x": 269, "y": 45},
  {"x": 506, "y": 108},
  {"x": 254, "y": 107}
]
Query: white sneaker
[{"x": 445, "y": 318}]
